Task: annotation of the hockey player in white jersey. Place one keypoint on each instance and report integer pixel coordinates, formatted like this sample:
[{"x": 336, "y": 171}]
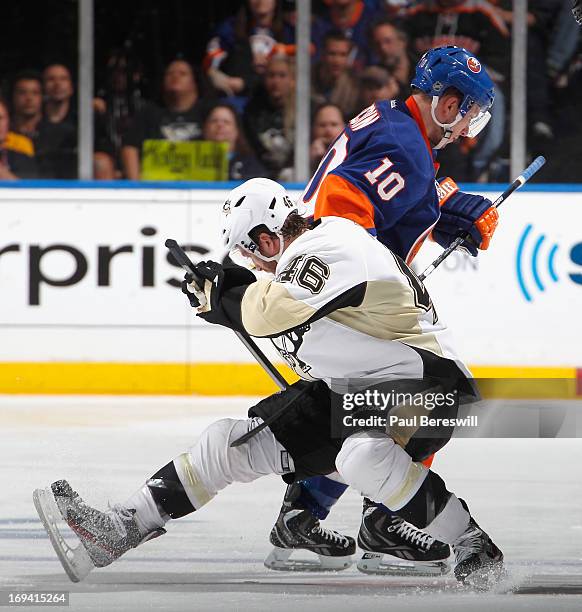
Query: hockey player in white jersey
[{"x": 341, "y": 306}]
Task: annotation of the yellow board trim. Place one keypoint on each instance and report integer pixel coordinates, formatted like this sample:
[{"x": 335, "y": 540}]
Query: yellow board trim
[
  {"x": 228, "y": 379},
  {"x": 522, "y": 372},
  {"x": 138, "y": 378}
]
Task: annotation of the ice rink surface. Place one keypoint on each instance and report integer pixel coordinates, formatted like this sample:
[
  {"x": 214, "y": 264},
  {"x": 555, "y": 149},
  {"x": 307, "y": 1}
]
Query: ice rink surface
[{"x": 526, "y": 493}]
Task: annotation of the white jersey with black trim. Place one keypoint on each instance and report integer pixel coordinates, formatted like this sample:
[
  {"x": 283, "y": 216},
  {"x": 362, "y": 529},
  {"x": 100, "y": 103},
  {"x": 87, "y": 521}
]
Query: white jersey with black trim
[{"x": 342, "y": 305}]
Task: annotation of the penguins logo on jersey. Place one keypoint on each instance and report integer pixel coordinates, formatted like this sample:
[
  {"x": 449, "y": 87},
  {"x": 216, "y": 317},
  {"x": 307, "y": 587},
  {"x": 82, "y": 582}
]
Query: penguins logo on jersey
[{"x": 288, "y": 346}]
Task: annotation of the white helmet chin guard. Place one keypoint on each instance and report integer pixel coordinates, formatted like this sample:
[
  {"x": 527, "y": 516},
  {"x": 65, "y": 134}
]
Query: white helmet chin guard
[{"x": 258, "y": 201}]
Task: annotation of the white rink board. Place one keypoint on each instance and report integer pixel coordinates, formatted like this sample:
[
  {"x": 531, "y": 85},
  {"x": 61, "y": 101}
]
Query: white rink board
[
  {"x": 127, "y": 310},
  {"x": 519, "y": 302}
]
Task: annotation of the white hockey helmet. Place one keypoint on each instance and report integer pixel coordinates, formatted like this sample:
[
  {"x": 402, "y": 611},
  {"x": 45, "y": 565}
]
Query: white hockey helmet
[{"x": 258, "y": 201}]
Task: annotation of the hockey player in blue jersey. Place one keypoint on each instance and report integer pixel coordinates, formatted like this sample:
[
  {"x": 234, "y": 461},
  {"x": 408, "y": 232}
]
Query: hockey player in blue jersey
[{"x": 380, "y": 172}]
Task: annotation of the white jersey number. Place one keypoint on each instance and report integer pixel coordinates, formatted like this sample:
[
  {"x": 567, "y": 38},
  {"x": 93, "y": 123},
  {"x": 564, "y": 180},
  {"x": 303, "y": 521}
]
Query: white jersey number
[{"x": 388, "y": 187}]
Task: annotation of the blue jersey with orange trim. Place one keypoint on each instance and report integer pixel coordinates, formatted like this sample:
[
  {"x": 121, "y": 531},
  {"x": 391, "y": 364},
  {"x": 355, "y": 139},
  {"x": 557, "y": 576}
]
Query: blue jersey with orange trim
[{"x": 380, "y": 172}]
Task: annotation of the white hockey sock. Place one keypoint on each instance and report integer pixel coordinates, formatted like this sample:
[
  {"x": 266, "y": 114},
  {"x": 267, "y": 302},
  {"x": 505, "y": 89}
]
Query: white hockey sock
[
  {"x": 450, "y": 523},
  {"x": 147, "y": 514}
]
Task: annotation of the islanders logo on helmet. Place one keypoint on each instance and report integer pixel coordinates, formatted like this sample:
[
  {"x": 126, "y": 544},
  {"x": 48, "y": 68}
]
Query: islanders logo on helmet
[{"x": 474, "y": 65}]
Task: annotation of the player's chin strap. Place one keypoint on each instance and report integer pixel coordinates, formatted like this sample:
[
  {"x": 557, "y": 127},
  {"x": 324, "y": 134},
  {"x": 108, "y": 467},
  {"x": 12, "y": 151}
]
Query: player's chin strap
[
  {"x": 476, "y": 125},
  {"x": 447, "y": 127}
]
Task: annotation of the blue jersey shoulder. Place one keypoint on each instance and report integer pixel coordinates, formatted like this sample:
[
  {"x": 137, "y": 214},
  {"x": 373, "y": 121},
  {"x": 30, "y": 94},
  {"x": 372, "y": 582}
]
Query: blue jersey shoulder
[
  {"x": 402, "y": 189},
  {"x": 382, "y": 131}
]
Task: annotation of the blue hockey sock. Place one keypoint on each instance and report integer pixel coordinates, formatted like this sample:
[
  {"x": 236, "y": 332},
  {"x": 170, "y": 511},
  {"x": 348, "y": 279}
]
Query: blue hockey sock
[{"x": 319, "y": 494}]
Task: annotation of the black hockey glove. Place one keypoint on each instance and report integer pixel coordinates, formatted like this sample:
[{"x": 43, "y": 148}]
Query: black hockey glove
[
  {"x": 193, "y": 291},
  {"x": 218, "y": 300}
]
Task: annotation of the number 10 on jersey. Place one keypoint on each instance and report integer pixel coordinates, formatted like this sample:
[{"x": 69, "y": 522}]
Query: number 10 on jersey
[{"x": 389, "y": 186}]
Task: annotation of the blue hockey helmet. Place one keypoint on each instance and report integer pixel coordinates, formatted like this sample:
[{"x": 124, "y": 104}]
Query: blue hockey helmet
[{"x": 445, "y": 67}]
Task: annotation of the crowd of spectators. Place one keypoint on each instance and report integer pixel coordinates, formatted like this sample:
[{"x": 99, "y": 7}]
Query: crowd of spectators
[{"x": 242, "y": 91}]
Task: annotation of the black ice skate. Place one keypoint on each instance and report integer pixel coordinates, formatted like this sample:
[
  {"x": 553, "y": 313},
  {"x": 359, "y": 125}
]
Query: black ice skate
[
  {"x": 297, "y": 529},
  {"x": 393, "y": 546},
  {"x": 479, "y": 561},
  {"x": 104, "y": 536}
]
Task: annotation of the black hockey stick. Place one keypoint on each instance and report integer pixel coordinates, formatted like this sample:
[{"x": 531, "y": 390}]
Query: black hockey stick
[
  {"x": 523, "y": 178},
  {"x": 182, "y": 258}
]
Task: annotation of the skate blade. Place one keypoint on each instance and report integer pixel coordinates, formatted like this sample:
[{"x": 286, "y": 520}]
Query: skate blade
[
  {"x": 75, "y": 561},
  {"x": 375, "y": 563},
  {"x": 279, "y": 560}
]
